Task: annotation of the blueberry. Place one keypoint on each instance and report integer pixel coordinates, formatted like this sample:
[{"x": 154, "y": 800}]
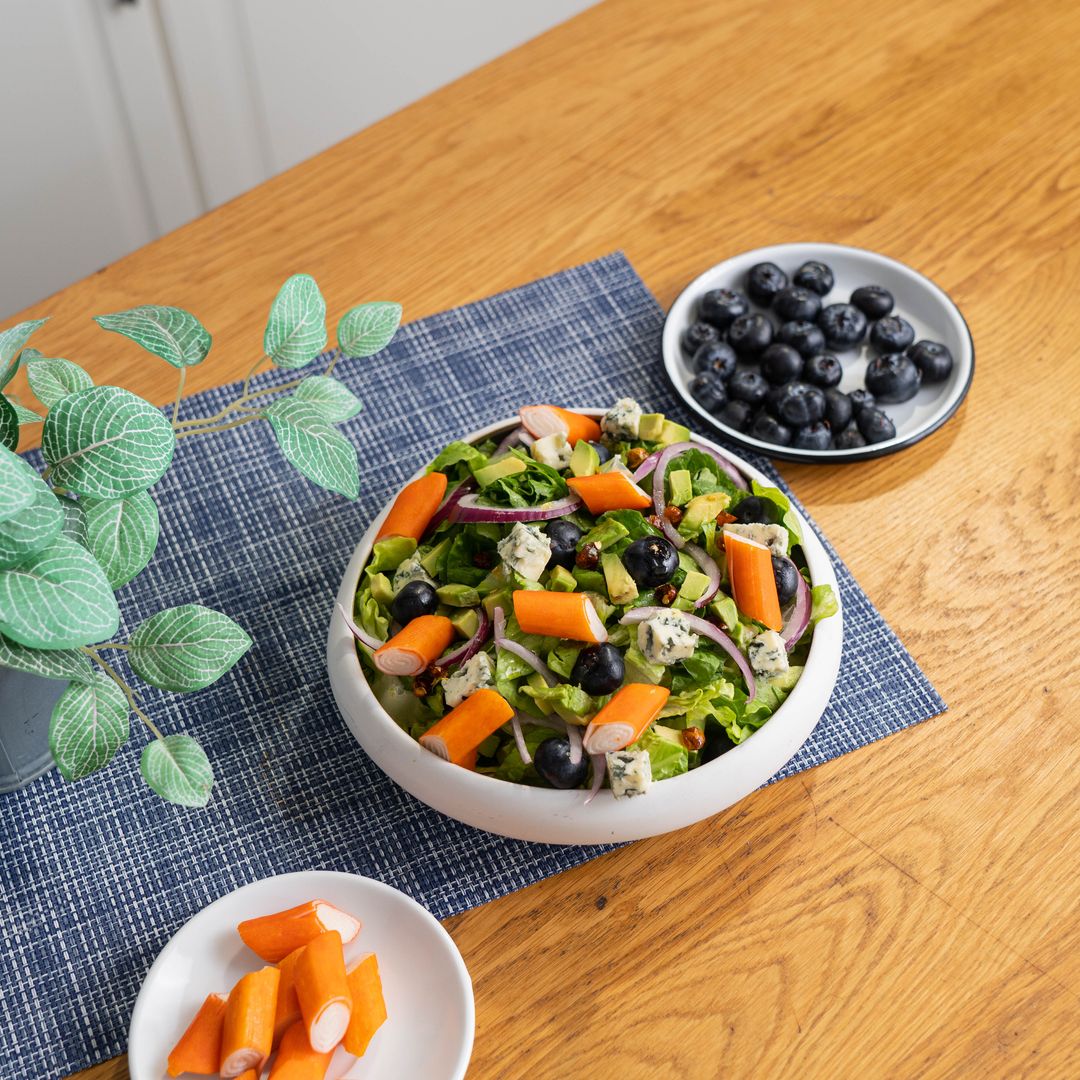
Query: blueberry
[
  {"x": 838, "y": 408},
  {"x": 552, "y": 759},
  {"x": 843, "y": 325},
  {"x": 781, "y": 363},
  {"x": 764, "y": 281},
  {"x": 413, "y": 600},
  {"x": 602, "y": 452},
  {"x": 802, "y": 404},
  {"x": 651, "y": 561},
  {"x": 817, "y": 436},
  {"x": 891, "y": 334},
  {"x": 708, "y": 390},
  {"x": 892, "y": 378},
  {"x": 599, "y": 669},
  {"x": 771, "y": 404},
  {"x": 815, "y": 276},
  {"x": 717, "y": 742},
  {"x": 736, "y": 414},
  {"x": 933, "y": 359},
  {"x": 795, "y": 302},
  {"x": 786, "y": 577},
  {"x": 874, "y": 425},
  {"x": 823, "y": 370},
  {"x": 722, "y": 307},
  {"x": 804, "y": 337},
  {"x": 716, "y": 356},
  {"x": 848, "y": 439},
  {"x": 768, "y": 429},
  {"x": 563, "y": 535},
  {"x": 749, "y": 335},
  {"x": 748, "y": 386},
  {"x": 754, "y": 510},
  {"x": 873, "y": 301},
  {"x": 861, "y": 399},
  {"x": 697, "y": 334}
]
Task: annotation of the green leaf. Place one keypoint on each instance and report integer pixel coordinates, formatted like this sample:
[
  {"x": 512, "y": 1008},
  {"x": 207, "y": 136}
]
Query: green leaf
[
  {"x": 74, "y": 520},
  {"x": 296, "y": 329},
  {"x": 89, "y": 724},
  {"x": 71, "y": 665},
  {"x": 31, "y": 529},
  {"x": 9, "y": 424},
  {"x": 11, "y": 341},
  {"x": 25, "y": 415},
  {"x": 334, "y": 400},
  {"x": 106, "y": 443},
  {"x": 169, "y": 332},
  {"x": 320, "y": 452},
  {"x": 177, "y": 769},
  {"x": 52, "y": 379},
  {"x": 57, "y": 599},
  {"x": 366, "y": 329},
  {"x": 186, "y": 648},
  {"x": 18, "y": 487},
  {"x": 122, "y": 535}
]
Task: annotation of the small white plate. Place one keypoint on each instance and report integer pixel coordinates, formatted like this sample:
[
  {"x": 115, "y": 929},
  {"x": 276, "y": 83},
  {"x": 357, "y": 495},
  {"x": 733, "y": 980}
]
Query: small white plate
[
  {"x": 927, "y": 307},
  {"x": 429, "y": 999}
]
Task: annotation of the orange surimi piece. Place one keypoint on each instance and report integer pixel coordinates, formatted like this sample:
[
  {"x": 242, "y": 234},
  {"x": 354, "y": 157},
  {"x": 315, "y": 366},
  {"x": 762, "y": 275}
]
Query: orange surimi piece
[
  {"x": 753, "y": 583},
  {"x": 624, "y": 718},
  {"x": 414, "y": 507},
  {"x": 541, "y": 420},
  {"x": 287, "y": 1010},
  {"x": 323, "y": 991},
  {"x": 457, "y": 735},
  {"x": 609, "y": 491},
  {"x": 295, "y": 1058},
  {"x": 561, "y": 615},
  {"x": 272, "y": 937},
  {"x": 368, "y": 1005},
  {"x": 198, "y": 1050},
  {"x": 249, "y": 1074},
  {"x": 415, "y": 645},
  {"x": 247, "y": 1034}
]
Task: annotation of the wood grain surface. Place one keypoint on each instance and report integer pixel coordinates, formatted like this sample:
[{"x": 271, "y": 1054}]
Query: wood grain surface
[{"x": 908, "y": 910}]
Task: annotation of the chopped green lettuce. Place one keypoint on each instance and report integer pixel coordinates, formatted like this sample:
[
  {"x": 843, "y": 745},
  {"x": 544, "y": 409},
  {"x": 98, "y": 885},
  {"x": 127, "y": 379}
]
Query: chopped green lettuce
[
  {"x": 705, "y": 474},
  {"x": 783, "y": 504},
  {"x": 458, "y": 460},
  {"x": 667, "y": 754},
  {"x": 640, "y": 670},
  {"x": 823, "y": 603},
  {"x": 535, "y": 485},
  {"x": 562, "y": 658},
  {"x": 389, "y": 554},
  {"x": 694, "y": 707},
  {"x": 461, "y": 567},
  {"x": 368, "y": 613},
  {"x": 570, "y": 702}
]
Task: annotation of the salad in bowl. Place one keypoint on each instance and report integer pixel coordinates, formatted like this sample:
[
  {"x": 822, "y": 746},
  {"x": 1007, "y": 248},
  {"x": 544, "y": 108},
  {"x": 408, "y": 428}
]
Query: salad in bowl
[{"x": 586, "y": 604}]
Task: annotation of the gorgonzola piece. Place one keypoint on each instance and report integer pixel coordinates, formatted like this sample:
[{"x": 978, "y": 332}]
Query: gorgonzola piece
[
  {"x": 526, "y": 550},
  {"x": 666, "y": 638},
  {"x": 410, "y": 570},
  {"x": 629, "y": 773},
  {"x": 622, "y": 419},
  {"x": 475, "y": 675},
  {"x": 774, "y": 537},
  {"x": 768, "y": 656},
  {"x": 552, "y": 450}
]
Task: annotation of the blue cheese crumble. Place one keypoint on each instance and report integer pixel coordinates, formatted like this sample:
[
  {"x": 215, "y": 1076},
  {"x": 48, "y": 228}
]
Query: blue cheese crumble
[
  {"x": 768, "y": 656},
  {"x": 526, "y": 550},
  {"x": 629, "y": 773},
  {"x": 410, "y": 570},
  {"x": 774, "y": 537},
  {"x": 552, "y": 450},
  {"x": 622, "y": 420},
  {"x": 666, "y": 638},
  {"x": 470, "y": 677}
]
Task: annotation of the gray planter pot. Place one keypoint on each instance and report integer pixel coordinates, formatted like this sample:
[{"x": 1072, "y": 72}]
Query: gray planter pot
[{"x": 26, "y": 703}]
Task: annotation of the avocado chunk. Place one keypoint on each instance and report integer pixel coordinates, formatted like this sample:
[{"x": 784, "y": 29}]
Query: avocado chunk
[
  {"x": 382, "y": 592},
  {"x": 506, "y": 466},
  {"x": 682, "y": 489},
  {"x": 694, "y": 585},
  {"x": 500, "y": 598},
  {"x": 584, "y": 461},
  {"x": 702, "y": 508},
  {"x": 466, "y": 622},
  {"x": 620, "y": 585},
  {"x": 561, "y": 580},
  {"x": 430, "y": 561},
  {"x": 673, "y": 433},
  {"x": 458, "y": 595},
  {"x": 589, "y": 580},
  {"x": 650, "y": 427}
]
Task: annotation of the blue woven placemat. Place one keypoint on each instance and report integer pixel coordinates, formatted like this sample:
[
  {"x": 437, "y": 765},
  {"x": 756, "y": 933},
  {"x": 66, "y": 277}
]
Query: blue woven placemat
[{"x": 95, "y": 877}]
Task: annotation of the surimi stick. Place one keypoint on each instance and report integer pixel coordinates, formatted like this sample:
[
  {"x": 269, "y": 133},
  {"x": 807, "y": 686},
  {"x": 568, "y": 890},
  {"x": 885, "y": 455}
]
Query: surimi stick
[
  {"x": 198, "y": 1050},
  {"x": 249, "y": 1074},
  {"x": 296, "y": 1060},
  {"x": 247, "y": 1035},
  {"x": 287, "y": 1010},
  {"x": 457, "y": 735},
  {"x": 272, "y": 937},
  {"x": 368, "y": 1005},
  {"x": 414, "y": 507},
  {"x": 753, "y": 583},
  {"x": 323, "y": 991},
  {"x": 541, "y": 420},
  {"x": 624, "y": 718},
  {"x": 562, "y": 615},
  {"x": 415, "y": 645},
  {"x": 609, "y": 491}
]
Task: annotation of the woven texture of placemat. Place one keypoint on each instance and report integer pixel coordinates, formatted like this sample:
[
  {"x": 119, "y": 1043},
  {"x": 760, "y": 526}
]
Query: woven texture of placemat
[{"x": 96, "y": 876}]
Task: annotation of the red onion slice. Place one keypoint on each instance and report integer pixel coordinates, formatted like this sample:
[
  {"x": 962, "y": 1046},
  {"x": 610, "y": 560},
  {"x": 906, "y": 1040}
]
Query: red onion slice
[
  {"x": 519, "y": 738},
  {"x": 362, "y": 636},
  {"x": 647, "y": 466},
  {"x": 449, "y": 504},
  {"x": 706, "y": 629},
  {"x": 464, "y": 653},
  {"x": 799, "y": 618},
  {"x": 710, "y": 568},
  {"x": 599, "y": 769},
  {"x": 573, "y": 734},
  {"x": 469, "y": 509},
  {"x": 511, "y": 438},
  {"x": 519, "y": 650}
]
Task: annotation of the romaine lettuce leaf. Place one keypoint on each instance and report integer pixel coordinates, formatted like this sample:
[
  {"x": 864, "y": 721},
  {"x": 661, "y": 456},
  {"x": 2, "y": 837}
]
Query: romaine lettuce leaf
[
  {"x": 705, "y": 475},
  {"x": 783, "y": 504},
  {"x": 823, "y": 603},
  {"x": 562, "y": 658},
  {"x": 460, "y": 566},
  {"x": 537, "y": 484},
  {"x": 667, "y": 754},
  {"x": 390, "y": 553},
  {"x": 570, "y": 702},
  {"x": 458, "y": 460},
  {"x": 368, "y": 613}
]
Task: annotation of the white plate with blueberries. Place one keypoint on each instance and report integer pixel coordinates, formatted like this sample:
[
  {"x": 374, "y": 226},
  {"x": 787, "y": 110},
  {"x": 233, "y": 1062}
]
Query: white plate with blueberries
[{"x": 818, "y": 352}]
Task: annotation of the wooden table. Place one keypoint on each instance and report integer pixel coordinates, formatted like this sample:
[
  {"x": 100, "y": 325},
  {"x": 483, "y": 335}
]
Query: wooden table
[{"x": 909, "y": 910}]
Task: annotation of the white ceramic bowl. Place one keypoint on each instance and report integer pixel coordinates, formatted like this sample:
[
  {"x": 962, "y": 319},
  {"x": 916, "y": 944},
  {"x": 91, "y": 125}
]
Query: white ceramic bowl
[
  {"x": 927, "y": 307},
  {"x": 561, "y": 817}
]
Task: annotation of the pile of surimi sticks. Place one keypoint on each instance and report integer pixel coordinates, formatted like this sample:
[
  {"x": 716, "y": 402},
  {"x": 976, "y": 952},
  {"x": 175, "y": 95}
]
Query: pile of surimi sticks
[{"x": 303, "y": 1004}]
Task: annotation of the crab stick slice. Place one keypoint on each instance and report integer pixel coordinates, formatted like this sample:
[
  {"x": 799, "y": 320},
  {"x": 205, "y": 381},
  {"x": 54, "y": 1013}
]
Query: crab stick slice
[
  {"x": 296, "y": 1060},
  {"x": 416, "y": 645},
  {"x": 198, "y": 1050},
  {"x": 414, "y": 507},
  {"x": 323, "y": 992},
  {"x": 287, "y": 1009},
  {"x": 541, "y": 420},
  {"x": 561, "y": 615},
  {"x": 457, "y": 735},
  {"x": 273, "y": 937},
  {"x": 247, "y": 1035},
  {"x": 752, "y": 580},
  {"x": 624, "y": 718},
  {"x": 368, "y": 1005},
  {"x": 609, "y": 491}
]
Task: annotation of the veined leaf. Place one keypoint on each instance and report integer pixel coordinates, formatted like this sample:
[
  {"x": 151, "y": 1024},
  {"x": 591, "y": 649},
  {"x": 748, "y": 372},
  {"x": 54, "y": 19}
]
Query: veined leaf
[
  {"x": 296, "y": 329},
  {"x": 169, "y": 332},
  {"x": 18, "y": 487},
  {"x": 333, "y": 399},
  {"x": 25, "y": 415},
  {"x": 57, "y": 599},
  {"x": 71, "y": 665},
  {"x": 74, "y": 520},
  {"x": 11, "y": 341},
  {"x": 31, "y": 529},
  {"x": 89, "y": 724},
  {"x": 177, "y": 769},
  {"x": 122, "y": 535},
  {"x": 366, "y": 329},
  {"x": 320, "y": 452},
  {"x": 52, "y": 378},
  {"x": 106, "y": 443},
  {"x": 9, "y": 424},
  {"x": 186, "y": 648}
]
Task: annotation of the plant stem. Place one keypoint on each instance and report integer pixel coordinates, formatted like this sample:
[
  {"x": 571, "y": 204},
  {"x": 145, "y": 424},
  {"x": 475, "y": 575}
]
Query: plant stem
[
  {"x": 251, "y": 375},
  {"x": 112, "y": 645},
  {"x": 334, "y": 358},
  {"x": 179, "y": 395},
  {"x": 46, "y": 472},
  {"x": 239, "y": 403},
  {"x": 238, "y": 422},
  {"x": 128, "y": 692}
]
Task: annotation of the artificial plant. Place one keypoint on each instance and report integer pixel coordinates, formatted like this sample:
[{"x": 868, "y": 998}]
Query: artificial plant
[{"x": 87, "y": 525}]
